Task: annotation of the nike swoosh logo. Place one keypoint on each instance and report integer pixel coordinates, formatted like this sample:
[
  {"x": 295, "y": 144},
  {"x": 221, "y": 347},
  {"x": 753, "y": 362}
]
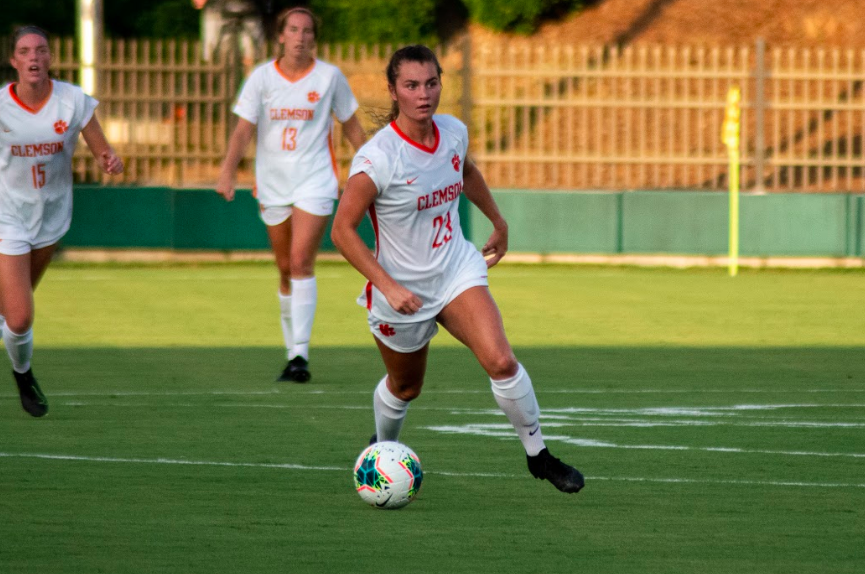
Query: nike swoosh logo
[
  {"x": 381, "y": 504},
  {"x": 411, "y": 181},
  {"x": 537, "y": 428}
]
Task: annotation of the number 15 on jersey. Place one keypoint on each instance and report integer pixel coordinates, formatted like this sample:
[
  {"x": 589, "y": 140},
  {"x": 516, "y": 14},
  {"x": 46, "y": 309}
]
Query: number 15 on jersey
[{"x": 38, "y": 172}]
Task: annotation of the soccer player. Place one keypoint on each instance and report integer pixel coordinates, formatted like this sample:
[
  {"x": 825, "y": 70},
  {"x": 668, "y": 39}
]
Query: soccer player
[
  {"x": 40, "y": 120},
  {"x": 409, "y": 178},
  {"x": 289, "y": 102}
]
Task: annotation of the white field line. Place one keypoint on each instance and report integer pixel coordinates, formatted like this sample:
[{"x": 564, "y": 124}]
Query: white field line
[
  {"x": 505, "y": 431},
  {"x": 301, "y": 467},
  {"x": 552, "y": 417}
]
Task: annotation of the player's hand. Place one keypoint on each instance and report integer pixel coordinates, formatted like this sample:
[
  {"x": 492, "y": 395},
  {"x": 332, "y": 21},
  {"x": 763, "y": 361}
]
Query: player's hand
[
  {"x": 402, "y": 300},
  {"x": 225, "y": 186},
  {"x": 110, "y": 163},
  {"x": 496, "y": 246}
]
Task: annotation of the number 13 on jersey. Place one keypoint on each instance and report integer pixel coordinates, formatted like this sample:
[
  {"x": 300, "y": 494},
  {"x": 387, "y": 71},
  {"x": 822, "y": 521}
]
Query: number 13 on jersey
[{"x": 289, "y": 142}]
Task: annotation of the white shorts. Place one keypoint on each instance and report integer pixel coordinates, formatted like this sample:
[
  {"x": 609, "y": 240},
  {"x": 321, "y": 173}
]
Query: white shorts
[
  {"x": 403, "y": 337},
  {"x": 276, "y": 214},
  {"x": 20, "y": 247},
  {"x": 409, "y": 336}
]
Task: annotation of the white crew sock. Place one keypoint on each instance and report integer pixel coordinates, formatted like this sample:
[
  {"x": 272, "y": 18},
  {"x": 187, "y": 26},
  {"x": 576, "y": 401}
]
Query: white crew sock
[
  {"x": 19, "y": 347},
  {"x": 516, "y": 397},
  {"x": 389, "y": 412},
  {"x": 304, "y": 296},
  {"x": 2, "y": 325},
  {"x": 285, "y": 321}
]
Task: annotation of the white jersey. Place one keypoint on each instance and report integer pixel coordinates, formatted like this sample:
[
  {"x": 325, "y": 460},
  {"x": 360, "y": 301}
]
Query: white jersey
[
  {"x": 36, "y": 148},
  {"x": 294, "y": 155},
  {"x": 415, "y": 215}
]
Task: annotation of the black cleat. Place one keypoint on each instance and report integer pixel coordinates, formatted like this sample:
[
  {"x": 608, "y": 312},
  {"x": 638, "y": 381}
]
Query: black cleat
[
  {"x": 297, "y": 371},
  {"x": 32, "y": 399},
  {"x": 546, "y": 466},
  {"x": 373, "y": 439}
]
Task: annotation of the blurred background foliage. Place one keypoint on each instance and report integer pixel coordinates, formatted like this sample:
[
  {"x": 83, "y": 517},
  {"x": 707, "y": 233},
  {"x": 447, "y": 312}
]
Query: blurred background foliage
[{"x": 370, "y": 21}]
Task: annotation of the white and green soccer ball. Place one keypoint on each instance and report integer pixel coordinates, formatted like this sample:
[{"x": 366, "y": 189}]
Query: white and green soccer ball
[{"x": 387, "y": 475}]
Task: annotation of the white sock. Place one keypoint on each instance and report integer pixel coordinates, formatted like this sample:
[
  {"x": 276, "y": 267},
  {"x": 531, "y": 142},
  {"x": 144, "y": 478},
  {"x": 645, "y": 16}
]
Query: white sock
[
  {"x": 19, "y": 347},
  {"x": 285, "y": 321},
  {"x": 304, "y": 296},
  {"x": 389, "y": 412},
  {"x": 2, "y": 325},
  {"x": 516, "y": 397}
]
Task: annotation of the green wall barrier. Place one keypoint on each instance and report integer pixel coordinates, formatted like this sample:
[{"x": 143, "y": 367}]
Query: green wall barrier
[
  {"x": 680, "y": 222},
  {"x": 165, "y": 218},
  {"x": 550, "y": 222},
  {"x": 121, "y": 217},
  {"x": 856, "y": 235}
]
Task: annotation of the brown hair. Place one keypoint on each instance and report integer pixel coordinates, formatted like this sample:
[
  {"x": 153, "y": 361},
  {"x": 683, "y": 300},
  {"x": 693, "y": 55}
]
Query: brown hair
[
  {"x": 413, "y": 53},
  {"x": 282, "y": 18},
  {"x": 22, "y": 31}
]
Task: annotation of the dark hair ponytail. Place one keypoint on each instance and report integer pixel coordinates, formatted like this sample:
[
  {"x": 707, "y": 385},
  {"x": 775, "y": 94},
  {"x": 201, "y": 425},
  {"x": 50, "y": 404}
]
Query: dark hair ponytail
[{"x": 414, "y": 53}]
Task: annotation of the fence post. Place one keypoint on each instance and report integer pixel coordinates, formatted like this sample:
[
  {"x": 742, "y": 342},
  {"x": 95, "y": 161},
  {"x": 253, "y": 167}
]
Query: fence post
[
  {"x": 466, "y": 98},
  {"x": 759, "y": 116}
]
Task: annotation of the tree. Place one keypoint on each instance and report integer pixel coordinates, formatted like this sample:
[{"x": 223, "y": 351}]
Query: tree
[
  {"x": 123, "y": 18},
  {"x": 521, "y": 16}
]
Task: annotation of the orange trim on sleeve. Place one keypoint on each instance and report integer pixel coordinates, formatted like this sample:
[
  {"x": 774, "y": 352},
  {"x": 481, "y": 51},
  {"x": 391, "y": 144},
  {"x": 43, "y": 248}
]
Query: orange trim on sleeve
[{"x": 332, "y": 151}]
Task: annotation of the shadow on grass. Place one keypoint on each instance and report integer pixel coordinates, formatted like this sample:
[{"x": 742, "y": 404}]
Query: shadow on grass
[{"x": 551, "y": 367}]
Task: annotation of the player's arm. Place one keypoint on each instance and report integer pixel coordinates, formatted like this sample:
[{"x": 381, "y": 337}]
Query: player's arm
[
  {"x": 476, "y": 190},
  {"x": 100, "y": 148},
  {"x": 360, "y": 192},
  {"x": 353, "y": 132},
  {"x": 237, "y": 145}
]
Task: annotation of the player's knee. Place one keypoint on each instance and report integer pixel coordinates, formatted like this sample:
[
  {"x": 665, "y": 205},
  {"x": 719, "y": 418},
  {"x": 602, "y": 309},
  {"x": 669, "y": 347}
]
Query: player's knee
[
  {"x": 502, "y": 366},
  {"x": 406, "y": 390},
  {"x": 302, "y": 269},
  {"x": 19, "y": 323}
]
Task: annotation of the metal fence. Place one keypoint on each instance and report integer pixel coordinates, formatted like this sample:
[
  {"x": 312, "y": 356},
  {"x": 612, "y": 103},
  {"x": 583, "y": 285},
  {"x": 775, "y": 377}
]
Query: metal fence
[
  {"x": 646, "y": 117},
  {"x": 541, "y": 116}
]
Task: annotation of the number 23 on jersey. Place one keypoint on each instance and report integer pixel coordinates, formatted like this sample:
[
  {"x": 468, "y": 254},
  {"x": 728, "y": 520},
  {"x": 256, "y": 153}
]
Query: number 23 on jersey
[{"x": 443, "y": 228}]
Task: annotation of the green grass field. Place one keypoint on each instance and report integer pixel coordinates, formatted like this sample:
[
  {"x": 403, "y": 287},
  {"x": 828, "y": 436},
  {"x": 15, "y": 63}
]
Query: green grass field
[{"x": 720, "y": 424}]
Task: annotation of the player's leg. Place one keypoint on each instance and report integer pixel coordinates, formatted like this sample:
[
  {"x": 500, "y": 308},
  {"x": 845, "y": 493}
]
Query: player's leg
[
  {"x": 473, "y": 318},
  {"x": 401, "y": 385},
  {"x": 19, "y": 274},
  {"x": 307, "y": 232},
  {"x": 278, "y": 222}
]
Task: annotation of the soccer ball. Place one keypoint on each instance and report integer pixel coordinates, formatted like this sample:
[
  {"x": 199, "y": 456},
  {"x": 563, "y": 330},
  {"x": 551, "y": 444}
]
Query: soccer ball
[{"x": 387, "y": 475}]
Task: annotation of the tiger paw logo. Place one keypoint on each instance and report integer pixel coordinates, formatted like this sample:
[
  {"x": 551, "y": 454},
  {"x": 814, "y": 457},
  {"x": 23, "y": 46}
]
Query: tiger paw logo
[
  {"x": 313, "y": 97},
  {"x": 61, "y": 127},
  {"x": 456, "y": 161},
  {"x": 387, "y": 330}
]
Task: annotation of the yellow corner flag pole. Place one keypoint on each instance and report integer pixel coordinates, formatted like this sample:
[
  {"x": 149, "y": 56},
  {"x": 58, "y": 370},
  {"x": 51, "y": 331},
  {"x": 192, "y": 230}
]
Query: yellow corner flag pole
[{"x": 730, "y": 137}]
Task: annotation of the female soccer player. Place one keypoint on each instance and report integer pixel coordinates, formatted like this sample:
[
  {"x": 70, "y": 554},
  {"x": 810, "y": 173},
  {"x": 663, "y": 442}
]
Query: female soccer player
[
  {"x": 409, "y": 177},
  {"x": 40, "y": 120},
  {"x": 289, "y": 102}
]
